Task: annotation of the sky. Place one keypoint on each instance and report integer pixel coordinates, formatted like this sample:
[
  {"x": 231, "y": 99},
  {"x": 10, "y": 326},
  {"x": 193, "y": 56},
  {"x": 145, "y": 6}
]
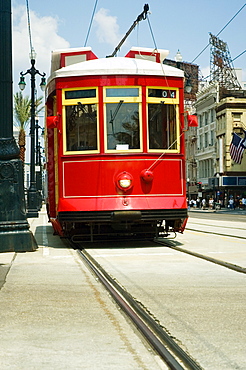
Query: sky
[{"x": 175, "y": 25}]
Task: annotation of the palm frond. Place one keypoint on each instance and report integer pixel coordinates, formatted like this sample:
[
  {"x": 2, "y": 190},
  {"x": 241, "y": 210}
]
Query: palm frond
[{"x": 22, "y": 109}]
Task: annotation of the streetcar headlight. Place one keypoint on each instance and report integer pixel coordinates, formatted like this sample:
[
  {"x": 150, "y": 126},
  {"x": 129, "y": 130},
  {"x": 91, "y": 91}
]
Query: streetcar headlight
[{"x": 124, "y": 181}]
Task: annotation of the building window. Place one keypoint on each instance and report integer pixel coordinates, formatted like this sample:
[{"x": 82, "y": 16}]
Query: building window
[
  {"x": 200, "y": 120},
  {"x": 206, "y": 139},
  {"x": 212, "y": 138},
  {"x": 201, "y": 143},
  {"x": 206, "y": 118},
  {"x": 210, "y": 168},
  {"x": 206, "y": 168},
  {"x": 236, "y": 117},
  {"x": 202, "y": 169},
  {"x": 212, "y": 115}
]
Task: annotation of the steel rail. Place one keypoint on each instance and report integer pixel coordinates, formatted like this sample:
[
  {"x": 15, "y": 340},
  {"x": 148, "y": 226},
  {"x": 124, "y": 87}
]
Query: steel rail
[
  {"x": 228, "y": 265},
  {"x": 151, "y": 330},
  {"x": 215, "y": 233}
]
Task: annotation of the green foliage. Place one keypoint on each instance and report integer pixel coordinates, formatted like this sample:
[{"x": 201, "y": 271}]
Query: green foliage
[{"x": 22, "y": 110}]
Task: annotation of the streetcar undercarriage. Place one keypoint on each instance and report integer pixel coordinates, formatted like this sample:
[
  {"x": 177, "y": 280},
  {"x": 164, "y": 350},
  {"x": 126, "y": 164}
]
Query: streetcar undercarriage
[{"x": 94, "y": 226}]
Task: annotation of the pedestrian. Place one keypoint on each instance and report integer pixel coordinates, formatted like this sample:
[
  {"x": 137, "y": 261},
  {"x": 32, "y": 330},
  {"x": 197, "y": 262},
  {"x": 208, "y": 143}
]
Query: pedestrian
[
  {"x": 188, "y": 204},
  {"x": 236, "y": 203},
  {"x": 244, "y": 203},
  {"x": 231, "y": 203},
  {"x": 198, "y": 202},
  {"x": 211, "y": 203},
  {"x": 203, "y": 203}
]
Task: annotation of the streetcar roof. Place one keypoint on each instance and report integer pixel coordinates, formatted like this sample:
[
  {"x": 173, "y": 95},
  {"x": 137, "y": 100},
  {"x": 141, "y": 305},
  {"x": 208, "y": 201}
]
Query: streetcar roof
[{"x": 117, "y": 66}]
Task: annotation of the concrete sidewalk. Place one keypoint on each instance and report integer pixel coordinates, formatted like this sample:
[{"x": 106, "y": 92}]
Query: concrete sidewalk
[{"x": 54, "y": 314}]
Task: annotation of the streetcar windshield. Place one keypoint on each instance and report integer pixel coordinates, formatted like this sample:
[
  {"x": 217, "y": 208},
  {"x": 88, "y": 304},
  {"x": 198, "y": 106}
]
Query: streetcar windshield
[
  {"x": 122, "y": 126},
  {"x": 122, "y": 118}
]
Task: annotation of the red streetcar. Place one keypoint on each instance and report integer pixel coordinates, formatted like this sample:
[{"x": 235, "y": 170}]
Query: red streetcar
[{"x": 115, "y": 145}]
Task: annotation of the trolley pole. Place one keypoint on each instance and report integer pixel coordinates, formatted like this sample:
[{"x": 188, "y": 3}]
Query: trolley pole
[{"x": 15, "y": 235}]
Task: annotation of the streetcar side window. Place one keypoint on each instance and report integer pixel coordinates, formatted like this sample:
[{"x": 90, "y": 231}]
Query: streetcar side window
[
  {"x": 80, "y": 123},
  {"x": 81, "y": 127},
  {"x": 122, "y": 128},
  {"x": 162, "y": 126},
  {"x": 162, "y": 119}
]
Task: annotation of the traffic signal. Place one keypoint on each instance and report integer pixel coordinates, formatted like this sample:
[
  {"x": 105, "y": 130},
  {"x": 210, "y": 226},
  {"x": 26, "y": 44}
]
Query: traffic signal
[{"x": 199, "y": 185}]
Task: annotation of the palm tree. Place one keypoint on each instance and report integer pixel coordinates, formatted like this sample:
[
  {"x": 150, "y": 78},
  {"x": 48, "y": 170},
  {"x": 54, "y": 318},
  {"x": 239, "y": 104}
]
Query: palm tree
[{"x": 22, "y": 114}]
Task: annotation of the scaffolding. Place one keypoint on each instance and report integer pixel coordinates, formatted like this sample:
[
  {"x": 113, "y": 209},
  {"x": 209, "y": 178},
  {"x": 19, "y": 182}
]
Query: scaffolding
[{"x": 221, "y": 66}]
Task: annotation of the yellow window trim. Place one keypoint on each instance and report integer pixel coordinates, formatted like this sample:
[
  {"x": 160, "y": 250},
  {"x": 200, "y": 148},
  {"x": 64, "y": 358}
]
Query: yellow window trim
[
  {"x": 130, "y": 99},
  {"x": 168, "y": 151}
]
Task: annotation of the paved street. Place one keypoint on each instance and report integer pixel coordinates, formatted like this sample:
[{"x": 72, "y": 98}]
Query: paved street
[
  {"x": 54, "y": 314},
  {"x": 200, "y": 303}
]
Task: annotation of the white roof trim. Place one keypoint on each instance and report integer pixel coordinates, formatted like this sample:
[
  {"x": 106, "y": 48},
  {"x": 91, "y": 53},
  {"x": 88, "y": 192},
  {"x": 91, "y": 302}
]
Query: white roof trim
[{"x": 117, "y": 66}]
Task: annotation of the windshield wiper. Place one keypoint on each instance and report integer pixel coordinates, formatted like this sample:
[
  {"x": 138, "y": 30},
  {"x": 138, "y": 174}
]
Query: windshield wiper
[{"x": 113, "y": 116}]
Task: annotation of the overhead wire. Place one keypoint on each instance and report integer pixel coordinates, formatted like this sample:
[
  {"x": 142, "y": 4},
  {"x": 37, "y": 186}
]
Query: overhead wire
[
  {"x": 220, "y": 31},
  {"x": 92, "y": 17},
  {"x": 205, "y": 78},
  {"x": 162, "y": 67},
  {"x": 30, "y": 38},
  {"x": 29, "y": 25},
  {"x": 238, "y": 55}
]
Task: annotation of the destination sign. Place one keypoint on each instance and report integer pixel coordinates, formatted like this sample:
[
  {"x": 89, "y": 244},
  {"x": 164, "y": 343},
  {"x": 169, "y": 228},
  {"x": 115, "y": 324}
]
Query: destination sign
[{"x": 162, "y": 93}]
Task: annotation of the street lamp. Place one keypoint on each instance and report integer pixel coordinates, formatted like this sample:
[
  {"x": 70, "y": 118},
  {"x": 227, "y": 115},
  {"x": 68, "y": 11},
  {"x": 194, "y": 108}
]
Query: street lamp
[
  {"x": 32, "y": 196},
  {"x": 38, "y": 166}
]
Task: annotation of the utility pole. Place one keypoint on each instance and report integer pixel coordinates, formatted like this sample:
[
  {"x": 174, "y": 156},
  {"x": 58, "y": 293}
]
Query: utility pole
[{"x": 15, "y": 235}]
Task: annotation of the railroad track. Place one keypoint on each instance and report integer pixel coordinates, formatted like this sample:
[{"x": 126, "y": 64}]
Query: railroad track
[
  {"x": 170, "y": 352},
  {"x": 172, "y": 244},
  {"x": 228, "y": 265},
  {"x": 217, "y": 233}
]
